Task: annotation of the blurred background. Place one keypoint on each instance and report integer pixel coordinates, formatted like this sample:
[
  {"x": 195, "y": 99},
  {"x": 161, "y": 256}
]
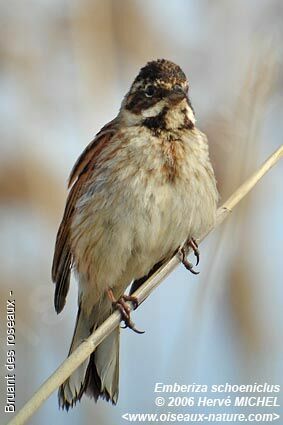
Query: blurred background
[{"x": 65, "y": 67}]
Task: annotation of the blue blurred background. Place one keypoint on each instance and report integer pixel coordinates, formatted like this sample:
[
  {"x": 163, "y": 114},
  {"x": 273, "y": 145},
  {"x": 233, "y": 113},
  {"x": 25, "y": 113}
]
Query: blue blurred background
[{"x": 65, "y": 67}]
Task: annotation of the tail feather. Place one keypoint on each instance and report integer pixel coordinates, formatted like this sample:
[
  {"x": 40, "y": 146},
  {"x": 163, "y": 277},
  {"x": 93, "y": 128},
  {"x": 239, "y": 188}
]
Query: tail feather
[
  {"x": 98, "y": 376},
  {"x": 73, "y": 388},
  {"x": 102, "y": 378},
  {"x": 106, "y": 359}
]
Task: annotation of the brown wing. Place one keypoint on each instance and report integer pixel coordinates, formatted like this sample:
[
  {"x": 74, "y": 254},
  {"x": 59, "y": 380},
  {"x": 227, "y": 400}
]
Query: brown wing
[{"x": 82, "y": 170}]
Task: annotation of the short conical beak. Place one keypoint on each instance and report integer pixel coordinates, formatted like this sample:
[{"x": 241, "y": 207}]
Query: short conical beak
[{"x": 177, "y": 94}]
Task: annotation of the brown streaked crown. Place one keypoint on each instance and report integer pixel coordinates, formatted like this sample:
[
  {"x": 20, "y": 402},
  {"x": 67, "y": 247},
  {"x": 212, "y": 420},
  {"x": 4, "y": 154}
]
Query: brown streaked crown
[{"x": 163, "y": 70}]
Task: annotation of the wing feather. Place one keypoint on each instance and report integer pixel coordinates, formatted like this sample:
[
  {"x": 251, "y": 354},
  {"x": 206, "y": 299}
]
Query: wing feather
[{"x": 80, "y": 174}]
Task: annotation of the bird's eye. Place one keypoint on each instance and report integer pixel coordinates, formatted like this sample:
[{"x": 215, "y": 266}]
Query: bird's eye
[{"x": 149, "y": 91}]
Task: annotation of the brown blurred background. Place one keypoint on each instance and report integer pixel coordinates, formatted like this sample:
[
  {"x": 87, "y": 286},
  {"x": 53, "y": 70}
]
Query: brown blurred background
[{"x": 65, "y": 66}]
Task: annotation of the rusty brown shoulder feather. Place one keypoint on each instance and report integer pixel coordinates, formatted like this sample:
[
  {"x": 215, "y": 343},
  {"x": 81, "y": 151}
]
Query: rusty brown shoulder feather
[{"x": 80, "y": 174}]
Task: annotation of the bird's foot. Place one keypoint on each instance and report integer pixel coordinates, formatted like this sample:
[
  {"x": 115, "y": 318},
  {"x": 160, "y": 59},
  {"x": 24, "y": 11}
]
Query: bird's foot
[
  {"x": 189, "y": 266},
  {"x": 193, "y": 244},
  {"x": 124, "y": 309}
]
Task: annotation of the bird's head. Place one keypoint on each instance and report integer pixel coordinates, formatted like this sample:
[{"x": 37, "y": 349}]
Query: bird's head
[{"x": 159, "y": 98}]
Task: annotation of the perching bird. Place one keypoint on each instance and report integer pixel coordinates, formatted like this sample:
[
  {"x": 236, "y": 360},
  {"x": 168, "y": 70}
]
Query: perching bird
[{"x": 140, "y": 189}]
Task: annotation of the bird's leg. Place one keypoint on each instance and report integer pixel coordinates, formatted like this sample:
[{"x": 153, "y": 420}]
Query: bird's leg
[
  {"x": 183, "y": 259},
  {"x": 193, "y": 244},
  {"x": 124, "y": 309}
]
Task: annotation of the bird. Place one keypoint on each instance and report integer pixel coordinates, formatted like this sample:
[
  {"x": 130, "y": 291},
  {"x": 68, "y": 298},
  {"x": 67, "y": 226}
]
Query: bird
[{"x": 141, "y": 190}]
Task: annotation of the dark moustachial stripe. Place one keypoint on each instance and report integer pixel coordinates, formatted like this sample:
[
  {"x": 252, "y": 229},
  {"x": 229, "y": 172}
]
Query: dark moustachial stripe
[{"x": 158, "y": 122}]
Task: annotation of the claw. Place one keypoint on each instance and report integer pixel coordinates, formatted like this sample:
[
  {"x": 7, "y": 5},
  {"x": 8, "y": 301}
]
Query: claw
[
  {"x": 125, "y": 310},
  {"x": 131, "y": 325},
  {"x": 187, "y": 264},
  {"x": 193, "y": 244}
]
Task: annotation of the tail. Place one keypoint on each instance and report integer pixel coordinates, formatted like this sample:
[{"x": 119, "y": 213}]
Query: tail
[{"x": 98, "y": 376}]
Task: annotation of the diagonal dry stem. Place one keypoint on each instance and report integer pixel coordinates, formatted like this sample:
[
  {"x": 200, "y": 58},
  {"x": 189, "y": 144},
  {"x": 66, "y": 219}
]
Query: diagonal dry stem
[{"x": 88, "y": 346}]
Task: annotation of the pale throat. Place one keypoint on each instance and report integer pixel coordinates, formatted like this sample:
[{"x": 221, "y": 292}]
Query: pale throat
[{"x": 178, "y": 115}]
